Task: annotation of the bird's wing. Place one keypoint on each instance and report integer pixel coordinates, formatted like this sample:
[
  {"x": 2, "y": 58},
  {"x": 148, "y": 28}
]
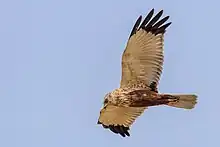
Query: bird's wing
[
  {"x": 119, "y": 119},
  {"x": 142, "y": 59}
]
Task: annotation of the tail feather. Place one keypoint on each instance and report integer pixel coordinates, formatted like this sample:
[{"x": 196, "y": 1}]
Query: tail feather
[{"x": 186, "y": 101}]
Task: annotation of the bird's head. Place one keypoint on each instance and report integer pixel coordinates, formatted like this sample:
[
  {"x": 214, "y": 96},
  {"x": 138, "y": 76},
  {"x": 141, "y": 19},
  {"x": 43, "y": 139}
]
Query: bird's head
[
  {"x": 107, "y": 98},
  {"x": 111, "y": 97}
]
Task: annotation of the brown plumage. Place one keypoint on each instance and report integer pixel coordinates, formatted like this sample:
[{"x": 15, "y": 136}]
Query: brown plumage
[{"x": 142, "y": 63}]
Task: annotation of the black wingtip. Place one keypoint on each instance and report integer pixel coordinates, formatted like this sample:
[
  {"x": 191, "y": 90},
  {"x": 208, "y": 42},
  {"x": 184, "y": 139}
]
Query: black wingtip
[
  {"x": 147, "y": 18},
  {"x": 127, "y": 133},
  {"x": 160, "y": 12},
  {"x": 117, "y": 129},
  {"x": 151, "y": 12},
  {"x": 120, "y": 129},
  {"x": 159, "y": 23},
  {"x": 104, "y": 126},
  {"x": 135, "y": 28},
  {"x": 153, "y": 21},
  {"x": 162, "y": 29},
  {"x": 151, "y": 24}
]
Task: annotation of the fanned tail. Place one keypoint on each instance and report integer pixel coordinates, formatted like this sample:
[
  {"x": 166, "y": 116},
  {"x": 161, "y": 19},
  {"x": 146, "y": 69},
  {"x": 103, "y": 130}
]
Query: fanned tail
[{"x": 186, "y": 101}]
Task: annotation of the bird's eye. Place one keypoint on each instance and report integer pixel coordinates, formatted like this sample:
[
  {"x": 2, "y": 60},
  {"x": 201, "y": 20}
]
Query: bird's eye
[{"x": 105, "y": 101}]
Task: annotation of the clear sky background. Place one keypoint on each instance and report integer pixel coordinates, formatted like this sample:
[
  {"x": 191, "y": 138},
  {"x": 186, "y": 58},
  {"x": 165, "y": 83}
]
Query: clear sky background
[{"x": 59, "y": 58}]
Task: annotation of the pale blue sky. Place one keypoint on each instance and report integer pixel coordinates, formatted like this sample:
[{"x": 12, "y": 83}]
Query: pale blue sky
[{"x": 59, "y": 58}]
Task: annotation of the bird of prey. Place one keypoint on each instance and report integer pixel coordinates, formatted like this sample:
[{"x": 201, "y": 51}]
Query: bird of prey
[{"x": 142, "y": 62}]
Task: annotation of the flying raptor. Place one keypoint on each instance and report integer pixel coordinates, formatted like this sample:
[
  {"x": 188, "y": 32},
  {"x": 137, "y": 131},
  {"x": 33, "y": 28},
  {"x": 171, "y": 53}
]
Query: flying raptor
[{"x": 142, "y": 62}]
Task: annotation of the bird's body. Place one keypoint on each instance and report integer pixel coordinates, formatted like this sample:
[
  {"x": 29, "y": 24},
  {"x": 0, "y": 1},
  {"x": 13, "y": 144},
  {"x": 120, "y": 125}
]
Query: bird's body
[
  {"x": 136, "y": 96},
  {"x": 142, "y": 63}
]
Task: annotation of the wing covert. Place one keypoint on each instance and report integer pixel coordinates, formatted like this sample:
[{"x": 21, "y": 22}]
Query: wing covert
[
  {"x": 142, "y": 59},
  {"x": 119, "y": 119}
]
